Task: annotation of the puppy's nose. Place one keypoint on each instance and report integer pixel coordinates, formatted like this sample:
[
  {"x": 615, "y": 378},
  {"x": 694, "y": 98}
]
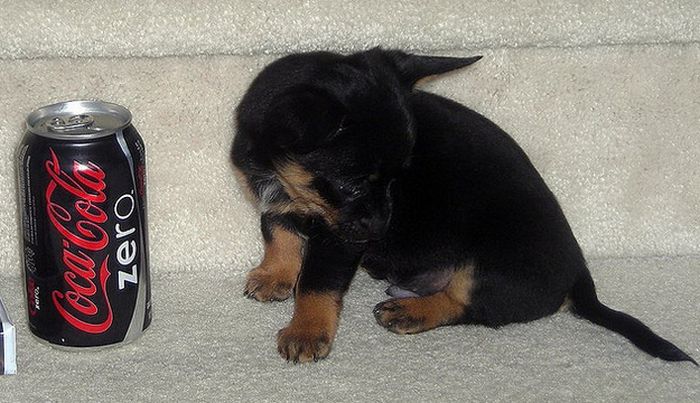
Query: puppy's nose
[{"x": 373, "y": 225}]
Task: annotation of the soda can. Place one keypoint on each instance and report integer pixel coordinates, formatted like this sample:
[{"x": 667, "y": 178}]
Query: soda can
[{"x": 82, "y": 201}]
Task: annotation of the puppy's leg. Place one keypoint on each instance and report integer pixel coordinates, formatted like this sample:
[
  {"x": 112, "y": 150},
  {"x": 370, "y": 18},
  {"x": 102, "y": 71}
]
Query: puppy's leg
[
  {"x": 274, "y": 278},
  {"x": 418, "y": 314},
  {"x": 328, "y": 269}
]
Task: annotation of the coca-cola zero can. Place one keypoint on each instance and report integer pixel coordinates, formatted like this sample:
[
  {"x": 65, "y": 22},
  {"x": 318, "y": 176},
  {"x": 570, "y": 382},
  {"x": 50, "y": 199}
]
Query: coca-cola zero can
[{"x": 82, "y": 201}]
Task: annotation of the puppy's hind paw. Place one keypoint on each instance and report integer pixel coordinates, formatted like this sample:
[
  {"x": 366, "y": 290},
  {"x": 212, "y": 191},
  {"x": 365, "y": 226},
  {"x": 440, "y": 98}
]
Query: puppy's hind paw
[{"x": 396, "y": 315}]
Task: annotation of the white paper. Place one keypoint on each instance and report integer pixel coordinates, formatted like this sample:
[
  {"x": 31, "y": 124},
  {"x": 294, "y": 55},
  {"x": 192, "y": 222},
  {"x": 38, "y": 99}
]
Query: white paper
[{"x": 8, "y": 363}]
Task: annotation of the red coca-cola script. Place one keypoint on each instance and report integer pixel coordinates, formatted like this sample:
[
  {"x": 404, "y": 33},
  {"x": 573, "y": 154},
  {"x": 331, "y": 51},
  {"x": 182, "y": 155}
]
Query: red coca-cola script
[{"x": 84, "y": 241}]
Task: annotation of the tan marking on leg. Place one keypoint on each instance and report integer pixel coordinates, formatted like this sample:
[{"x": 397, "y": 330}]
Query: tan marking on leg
[
  {"x": 274, "y": 278},
  {"x": 305, "y": 200},
  {"x": 311, "y": 331},
  {"x": 445, "y": 307}
]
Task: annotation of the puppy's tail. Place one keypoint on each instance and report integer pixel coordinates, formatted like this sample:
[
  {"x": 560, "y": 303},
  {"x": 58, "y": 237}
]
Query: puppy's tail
[{"x": 586, "y": 305}]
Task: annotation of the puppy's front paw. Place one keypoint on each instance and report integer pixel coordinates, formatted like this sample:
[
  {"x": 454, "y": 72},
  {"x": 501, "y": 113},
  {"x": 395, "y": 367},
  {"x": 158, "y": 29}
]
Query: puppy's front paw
[
  {"x": 300, "y": 344},
  {"x": 267, "y": 285},
  {"x": 400, "y": 316}
]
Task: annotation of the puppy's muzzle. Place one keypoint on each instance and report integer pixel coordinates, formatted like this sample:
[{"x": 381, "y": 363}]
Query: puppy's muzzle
[
  {"x": 374, "y": 219},
  {"x": 374, "y": 227}
]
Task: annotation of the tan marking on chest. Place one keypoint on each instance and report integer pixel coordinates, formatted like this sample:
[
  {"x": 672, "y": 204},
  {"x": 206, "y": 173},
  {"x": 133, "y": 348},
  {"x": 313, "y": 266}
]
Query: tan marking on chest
[{"x": 305, "y": 200}]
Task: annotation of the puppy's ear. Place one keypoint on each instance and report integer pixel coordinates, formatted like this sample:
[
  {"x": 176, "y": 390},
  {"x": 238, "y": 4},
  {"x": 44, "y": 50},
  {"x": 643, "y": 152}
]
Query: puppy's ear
[
  {"x": 412, "y": 68},
  {"x": 300, "y": 119}
]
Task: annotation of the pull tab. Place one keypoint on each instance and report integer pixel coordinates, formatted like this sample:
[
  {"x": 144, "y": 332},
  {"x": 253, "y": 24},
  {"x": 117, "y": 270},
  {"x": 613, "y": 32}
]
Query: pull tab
[{"x": 58, "y": 124}]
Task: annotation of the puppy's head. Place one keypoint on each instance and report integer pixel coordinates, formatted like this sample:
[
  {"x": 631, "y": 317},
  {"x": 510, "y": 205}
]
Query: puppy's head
[{"x": 337, "y": 130}]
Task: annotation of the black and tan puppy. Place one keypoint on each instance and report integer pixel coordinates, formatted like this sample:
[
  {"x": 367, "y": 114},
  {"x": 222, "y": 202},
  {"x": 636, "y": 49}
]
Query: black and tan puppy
[{"x": 353, "y": 167}]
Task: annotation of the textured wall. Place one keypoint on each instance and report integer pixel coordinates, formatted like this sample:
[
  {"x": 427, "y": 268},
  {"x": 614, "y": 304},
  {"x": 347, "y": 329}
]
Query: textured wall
[{"x": 614, "y": 131}]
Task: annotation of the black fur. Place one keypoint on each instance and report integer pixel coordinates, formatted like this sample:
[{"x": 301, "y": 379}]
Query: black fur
[{"x": 422, "y": 185}]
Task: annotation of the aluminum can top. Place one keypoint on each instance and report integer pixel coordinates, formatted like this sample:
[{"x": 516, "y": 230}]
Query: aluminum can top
[{"x": 78, "y": 120}]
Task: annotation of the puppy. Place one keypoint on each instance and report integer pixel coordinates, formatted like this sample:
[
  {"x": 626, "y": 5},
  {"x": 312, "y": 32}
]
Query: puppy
[{"x": 353, "y": 167}]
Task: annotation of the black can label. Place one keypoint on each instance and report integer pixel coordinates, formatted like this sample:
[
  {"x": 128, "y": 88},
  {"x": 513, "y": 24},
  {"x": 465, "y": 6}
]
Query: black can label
[{"x": 86, "y": 250}]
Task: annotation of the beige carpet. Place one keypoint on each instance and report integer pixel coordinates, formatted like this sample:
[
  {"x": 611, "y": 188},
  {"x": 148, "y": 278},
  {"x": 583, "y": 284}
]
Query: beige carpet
[{"x": 209, "y": 343}]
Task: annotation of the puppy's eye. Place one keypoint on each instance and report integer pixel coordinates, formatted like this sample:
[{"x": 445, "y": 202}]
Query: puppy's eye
[
  {"x": 374, "y": 178},
  {"x": 342, "y": 126}
]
